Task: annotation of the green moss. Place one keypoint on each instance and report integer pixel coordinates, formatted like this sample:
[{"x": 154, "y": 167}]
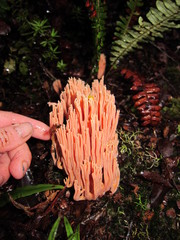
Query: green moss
[
  {"x": 173, "y": 109},
  {"x": 136, "y": 156},
  {"x": 173, "y": 75}
]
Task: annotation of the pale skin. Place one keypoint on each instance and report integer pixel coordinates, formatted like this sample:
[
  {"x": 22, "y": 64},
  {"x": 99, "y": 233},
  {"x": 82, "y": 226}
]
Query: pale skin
[{"x": 15, "y": 155}]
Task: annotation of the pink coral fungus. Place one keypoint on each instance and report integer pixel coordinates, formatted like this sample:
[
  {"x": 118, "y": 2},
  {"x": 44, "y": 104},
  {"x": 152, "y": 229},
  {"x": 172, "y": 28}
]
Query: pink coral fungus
[{"x": 84, "y": 136}]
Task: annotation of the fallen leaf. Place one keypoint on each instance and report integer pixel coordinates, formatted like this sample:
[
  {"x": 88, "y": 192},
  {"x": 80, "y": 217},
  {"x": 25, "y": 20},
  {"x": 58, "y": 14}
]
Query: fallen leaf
[
  {"x": 165, "y": 147},
  {"x": 57, "y": 86},
  {"x": 166, "y": 132},
  {"x": 136, "y": 188},
  {"x": 102, "y": 66},
  {"x": 171, "y": 213},
  {"x": 148, "y": 216},
  {"x": 158, "y": 193},
  {"x": 155, "y": 177}
]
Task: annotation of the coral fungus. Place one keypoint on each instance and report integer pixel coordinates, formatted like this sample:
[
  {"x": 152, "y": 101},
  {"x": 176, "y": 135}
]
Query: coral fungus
[{"x": 84, "y": 137}]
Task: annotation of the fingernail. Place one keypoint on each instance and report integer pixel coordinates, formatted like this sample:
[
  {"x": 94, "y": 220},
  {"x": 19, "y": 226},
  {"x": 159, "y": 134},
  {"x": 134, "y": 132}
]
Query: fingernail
[
  {"x": 1, "y": 180},
  {"x": 24, "y": 167},
  {"x": 23, "y": 129}
]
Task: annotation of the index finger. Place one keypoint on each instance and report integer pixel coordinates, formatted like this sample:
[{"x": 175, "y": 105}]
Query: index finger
[{"x": 40, "y": 129}]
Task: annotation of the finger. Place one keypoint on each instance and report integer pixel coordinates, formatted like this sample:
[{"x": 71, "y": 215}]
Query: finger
[
  {"x": 4, "y": 168},
  {"x": 15, "y": 135},
  {"x": 40, "y": 129},
  {"x": 20, "y": 161}
]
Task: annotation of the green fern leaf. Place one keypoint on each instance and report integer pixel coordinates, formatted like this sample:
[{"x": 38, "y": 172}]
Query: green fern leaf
[
  {"x": 159, "y": 19},
  {"x": 124, "y": 22}
]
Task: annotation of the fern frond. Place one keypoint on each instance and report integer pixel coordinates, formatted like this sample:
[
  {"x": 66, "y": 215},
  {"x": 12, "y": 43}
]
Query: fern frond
[
  {"x": 160, "y": 19},
  {"x": 122, "y": 26},
  {"x": 146, "y": 98}
]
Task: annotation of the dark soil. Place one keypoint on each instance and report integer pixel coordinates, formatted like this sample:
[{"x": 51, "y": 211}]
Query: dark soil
[{"x": 147, "y": 202}]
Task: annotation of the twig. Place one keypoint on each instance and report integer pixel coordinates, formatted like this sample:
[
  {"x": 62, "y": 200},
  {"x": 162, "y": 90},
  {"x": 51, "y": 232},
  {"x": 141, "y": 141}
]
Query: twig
[
  {"x": 163, "y": 52},
  {"x": 129, "y": 230}
]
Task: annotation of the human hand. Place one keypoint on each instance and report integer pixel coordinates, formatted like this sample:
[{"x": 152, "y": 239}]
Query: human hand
[{"x": 15, "y": 156}]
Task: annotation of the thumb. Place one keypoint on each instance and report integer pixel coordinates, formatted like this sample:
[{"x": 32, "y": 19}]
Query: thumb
[{"x": 15, "y": 135}]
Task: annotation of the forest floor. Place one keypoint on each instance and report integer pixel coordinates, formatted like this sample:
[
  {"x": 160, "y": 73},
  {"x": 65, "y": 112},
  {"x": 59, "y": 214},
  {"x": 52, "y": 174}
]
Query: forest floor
[{"x": 146, "y": 204}]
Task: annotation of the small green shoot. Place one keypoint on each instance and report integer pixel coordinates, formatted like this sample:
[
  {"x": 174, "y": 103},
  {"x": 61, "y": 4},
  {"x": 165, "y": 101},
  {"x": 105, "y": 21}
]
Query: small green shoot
[
  {"x": 39, "y": 27},
  {"x": 53, "y": 232},
  {"x": 61, "y": 65},
  {"x": 69, "y": 231},
  {"x": 50, "y": 41},
  {"x": 142, "y": 205},
  {"x": 51, "y": 53},
  {"x": 178, "y": 129},
  {"x": 54, "y": 33}
]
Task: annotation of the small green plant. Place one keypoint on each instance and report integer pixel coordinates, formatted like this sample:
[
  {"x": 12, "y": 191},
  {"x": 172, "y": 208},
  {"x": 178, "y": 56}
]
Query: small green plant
[
  {"x": 36, "y": 36},
  {"x": 71, "y": 235},
  {"x": 61, "y": 65},
  {"x": 53, "y": 232},
  {"x": 152, "y": 157},
  {"x": 140, "y": 204},
  {"x": 39, "y": 27},
  {"x": 99, "y": 26},
  {"x": 69, "y": 231},
  {"x": 51, "y": 40},
  {"x": 47, "y": 37},
  {"x": 178, "y": 129},
  {"x": 98, "y": 19}
]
